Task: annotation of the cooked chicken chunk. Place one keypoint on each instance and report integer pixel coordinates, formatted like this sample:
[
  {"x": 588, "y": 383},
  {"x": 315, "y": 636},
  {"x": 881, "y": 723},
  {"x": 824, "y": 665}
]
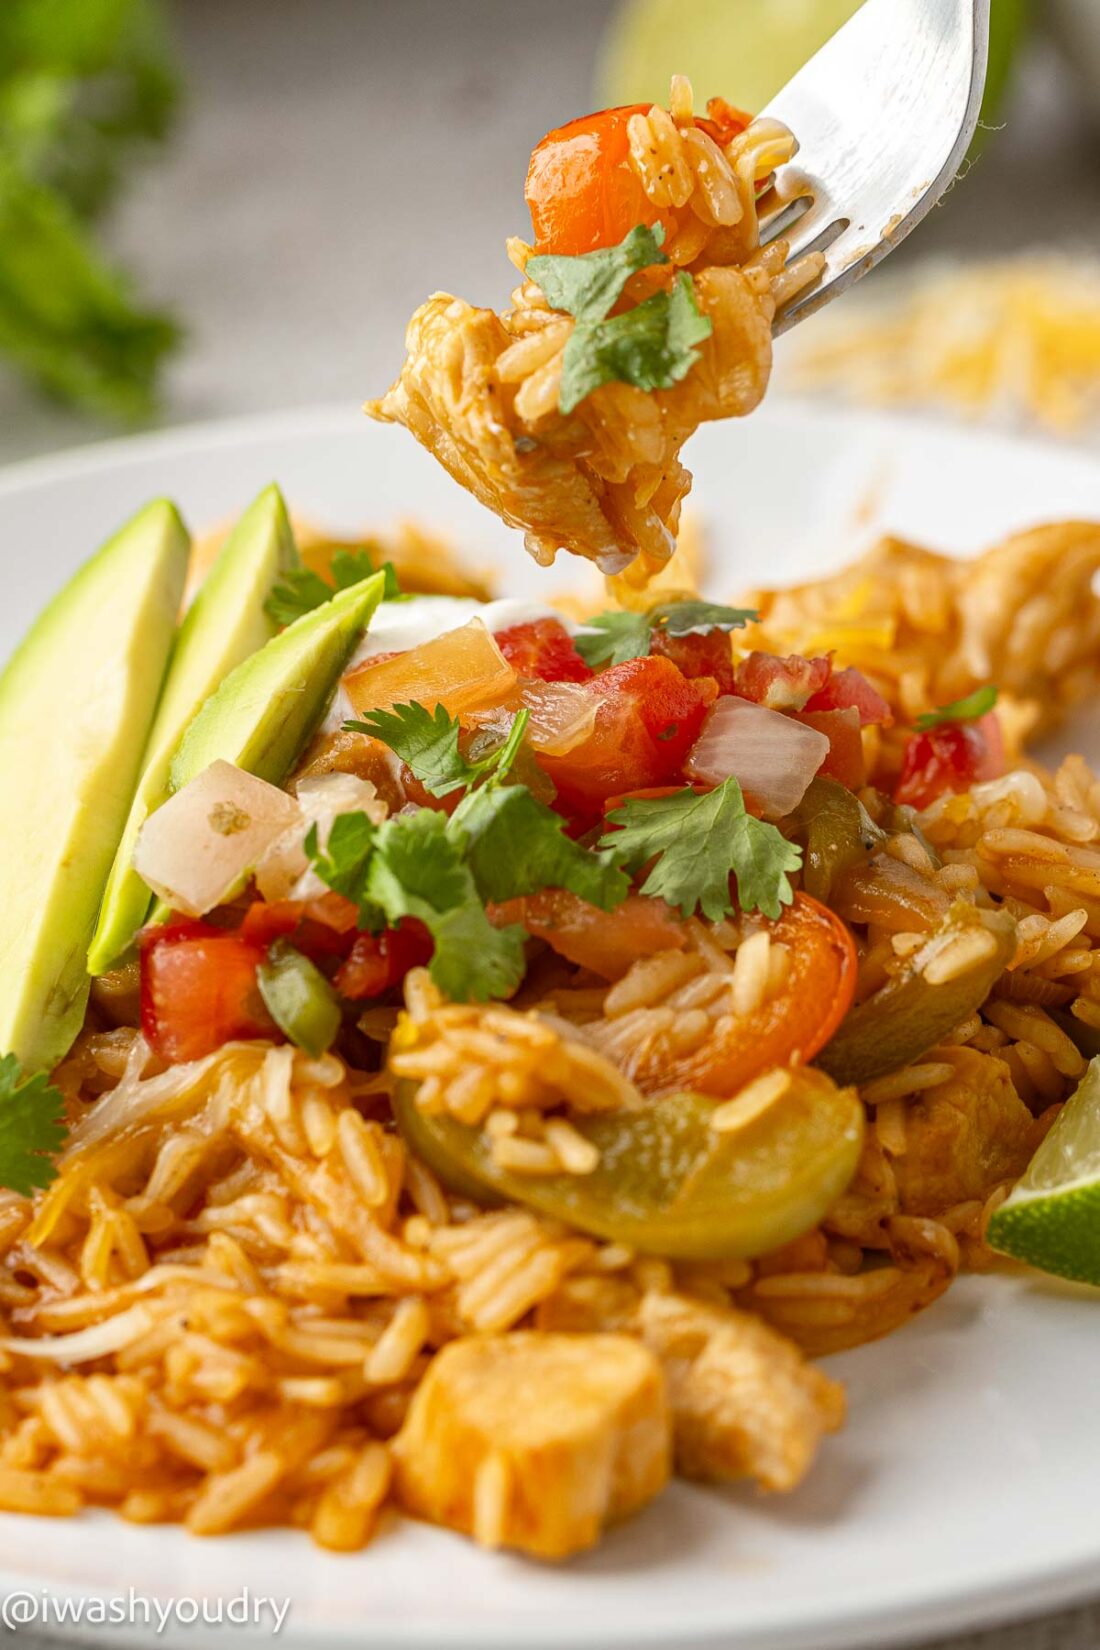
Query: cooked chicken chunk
[
  {"x": 535, "y": 1441},
  {"x": 744, "y": 1401},
  {"x": 963, "y": 1137}
]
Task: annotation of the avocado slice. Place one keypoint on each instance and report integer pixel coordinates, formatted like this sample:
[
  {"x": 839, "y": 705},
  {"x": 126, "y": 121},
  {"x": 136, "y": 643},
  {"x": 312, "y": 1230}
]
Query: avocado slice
[
  {"x": 225, "y": 624},
  {"x": 266, "y": 711},
  {"x": 76, "y": 703}
]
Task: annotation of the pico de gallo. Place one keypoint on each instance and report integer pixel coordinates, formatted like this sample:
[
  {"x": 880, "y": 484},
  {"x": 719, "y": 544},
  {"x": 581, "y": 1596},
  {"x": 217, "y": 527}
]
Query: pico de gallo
[{"x": 598, "y": 749}]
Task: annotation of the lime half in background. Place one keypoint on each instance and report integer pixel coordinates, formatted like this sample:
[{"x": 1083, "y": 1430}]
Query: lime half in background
[
  {"x": 1052, "y": 1219},
  {"x": 745, "y": 50}
]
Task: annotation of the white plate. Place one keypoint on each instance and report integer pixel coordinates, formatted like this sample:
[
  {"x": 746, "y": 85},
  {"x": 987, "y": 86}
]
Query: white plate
[{"x": 963, "y": 1490}]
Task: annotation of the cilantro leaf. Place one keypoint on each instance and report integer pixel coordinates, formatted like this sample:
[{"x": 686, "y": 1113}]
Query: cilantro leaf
[
  {"x": 516, "y": 845},
  {"x": 612, "y": 637},
  {"x": 342, "y": 863},
  {"x": 978, "y": 703},
  {"x": 428, "y": 744},
  {"x": 687, "y": 617},
  {"x": 418, "y": 871},
  {"x": 700, "y": 841},
  {"x": 651, "y": 346},
  {"x": 588, "y": 284},
  {"x": 302, "y": 590},
  {"x": 32, "y": 1127}
]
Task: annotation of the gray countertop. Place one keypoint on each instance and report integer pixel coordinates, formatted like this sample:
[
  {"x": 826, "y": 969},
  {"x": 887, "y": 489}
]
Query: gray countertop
[{"x": 342, "y": 158}]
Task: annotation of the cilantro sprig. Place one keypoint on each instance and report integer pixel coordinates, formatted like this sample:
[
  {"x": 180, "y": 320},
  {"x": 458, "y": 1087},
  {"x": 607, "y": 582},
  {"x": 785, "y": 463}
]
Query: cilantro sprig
[
  {"x": 302, "y": 590},
  {"x": 502, "y": 843},
  {"x": 413, "y": 865},
  {"x": 515, "y": 845},
  {"x": 699, "y": 842},
  {"x": 419, "y": 870},
  {"x": 612, "y": 638},
  {"x": 651, "y": 346},
  {"x": 589, "y": 284},
  {"x": 427, "y": 743},
  {"x": 976, "y": 704},
  {"x": 32, "y": 1127}
]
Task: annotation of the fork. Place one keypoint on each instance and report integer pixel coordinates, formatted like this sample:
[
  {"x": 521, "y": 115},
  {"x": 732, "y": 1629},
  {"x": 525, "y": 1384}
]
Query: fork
[{"x": 884, "y": 114}]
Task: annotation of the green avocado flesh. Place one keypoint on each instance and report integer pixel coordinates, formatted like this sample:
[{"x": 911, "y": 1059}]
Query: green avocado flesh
[
  {"x": 263, "y": 714},
  {"x": 225, "y": 624},
  {"x": 76, "y": 704}
]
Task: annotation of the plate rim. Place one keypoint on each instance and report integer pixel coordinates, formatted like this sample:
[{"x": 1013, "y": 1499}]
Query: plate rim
[{"x": 240, "y": 429}]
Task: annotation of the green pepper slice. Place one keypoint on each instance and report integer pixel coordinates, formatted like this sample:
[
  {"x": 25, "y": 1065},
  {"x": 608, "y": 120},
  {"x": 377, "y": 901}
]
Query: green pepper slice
[
  {"x": 299, "y": 999},
  {"x": 835, "y": 832},
  {"x": 667, "y": 1182},
  {"x": 910, "y": 1014}
]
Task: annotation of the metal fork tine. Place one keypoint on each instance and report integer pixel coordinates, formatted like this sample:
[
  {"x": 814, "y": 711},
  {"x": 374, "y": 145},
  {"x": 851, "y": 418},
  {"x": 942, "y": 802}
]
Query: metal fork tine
[{"x": 884, "y": 115}]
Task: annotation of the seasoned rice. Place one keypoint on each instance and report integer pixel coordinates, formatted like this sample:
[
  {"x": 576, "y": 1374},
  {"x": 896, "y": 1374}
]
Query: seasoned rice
[{"x": 223, "y": 1310}]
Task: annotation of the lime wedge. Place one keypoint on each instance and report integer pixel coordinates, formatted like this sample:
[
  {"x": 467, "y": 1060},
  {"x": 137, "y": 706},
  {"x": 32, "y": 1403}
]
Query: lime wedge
[
  {"x": 1052, "y": 1219},
  {"x": 745, "y": 50}
]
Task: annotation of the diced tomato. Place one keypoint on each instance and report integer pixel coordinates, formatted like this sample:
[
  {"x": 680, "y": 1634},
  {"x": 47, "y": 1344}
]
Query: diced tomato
[
  {"x": 647, "y": 723},
  {"x": 583, "y": 192},
  {"x": 380, "y": 961},
  {"x": 792, "y": 1025},
  {"x": 607, "y": 942},
  {"x": 699, "y": 655},
  {"x": 322, "y": 927},
  {"x": 844, "y": 762},
  {"x": 951, "y": 757},
  {"x": 778, "y": 683},
  {"x": 543, "y": 648},
  {"x": 581, "y": 189},
  {"x": 850, "y": 690},
  {"x": 177, "y": 928},
  {"x": 199, "y": 990}
]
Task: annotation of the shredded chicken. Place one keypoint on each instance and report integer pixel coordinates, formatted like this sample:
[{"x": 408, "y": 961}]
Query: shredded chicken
[
  {"x": 481, "y": 391},
  {"x": 535, "y": 1441},
  {"x": 964, "y": 1136}
]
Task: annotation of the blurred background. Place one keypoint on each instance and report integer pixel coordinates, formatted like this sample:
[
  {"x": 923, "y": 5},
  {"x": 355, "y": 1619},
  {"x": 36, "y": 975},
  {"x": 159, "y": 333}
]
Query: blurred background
[{"x": 215, "y": 207}]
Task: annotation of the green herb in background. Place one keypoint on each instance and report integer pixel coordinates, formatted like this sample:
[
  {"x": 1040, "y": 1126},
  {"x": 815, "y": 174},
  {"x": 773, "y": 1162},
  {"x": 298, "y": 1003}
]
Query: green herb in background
[{"x": 84, "y": 84}]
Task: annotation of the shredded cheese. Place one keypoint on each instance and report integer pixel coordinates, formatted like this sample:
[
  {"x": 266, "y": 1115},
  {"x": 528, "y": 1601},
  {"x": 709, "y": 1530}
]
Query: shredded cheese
[{"x": 1016, "y": 339}]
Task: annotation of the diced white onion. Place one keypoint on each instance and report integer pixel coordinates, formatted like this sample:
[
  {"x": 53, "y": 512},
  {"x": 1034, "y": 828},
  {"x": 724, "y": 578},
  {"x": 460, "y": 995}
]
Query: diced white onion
[
  {"x": 204, "y": 842},
  {"x": 772, "y": 757},
  {"x": 563, "y": 715},
  {"x": 284, "y": 872}
]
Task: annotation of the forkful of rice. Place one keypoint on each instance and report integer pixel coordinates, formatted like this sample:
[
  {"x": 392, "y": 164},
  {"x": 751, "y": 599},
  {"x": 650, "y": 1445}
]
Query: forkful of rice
[{"x": 669, "y": 249}]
